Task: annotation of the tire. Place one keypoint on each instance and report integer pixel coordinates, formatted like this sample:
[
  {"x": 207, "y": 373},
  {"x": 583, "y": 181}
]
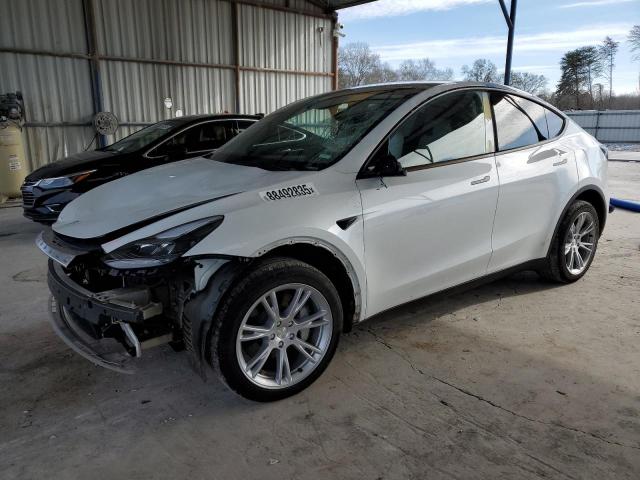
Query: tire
[
  {"x": 559, "y": 261},
  {"x": 244, "y": 328}
]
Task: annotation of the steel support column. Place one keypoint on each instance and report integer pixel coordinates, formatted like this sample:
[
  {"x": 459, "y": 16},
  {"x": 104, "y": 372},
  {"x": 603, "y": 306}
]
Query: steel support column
[
  {"x": 510, "y": 19},
  {"x": 235, "y": 33},
  {"x": 334, "y": 51},
  {"x": 94, "y": 62}
]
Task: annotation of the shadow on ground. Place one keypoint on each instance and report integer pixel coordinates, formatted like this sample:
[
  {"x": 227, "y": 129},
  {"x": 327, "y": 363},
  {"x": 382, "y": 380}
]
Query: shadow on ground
[{"x": 430, "y": 388}]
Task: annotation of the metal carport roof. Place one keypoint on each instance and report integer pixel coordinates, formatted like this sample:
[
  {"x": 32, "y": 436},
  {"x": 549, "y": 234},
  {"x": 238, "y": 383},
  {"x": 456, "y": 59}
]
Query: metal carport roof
[{"x": 339, "y": 4}]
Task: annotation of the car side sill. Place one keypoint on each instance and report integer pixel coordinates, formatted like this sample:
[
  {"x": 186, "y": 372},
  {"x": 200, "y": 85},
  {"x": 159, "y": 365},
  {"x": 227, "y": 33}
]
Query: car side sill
[{"x": 534, "y": 265}]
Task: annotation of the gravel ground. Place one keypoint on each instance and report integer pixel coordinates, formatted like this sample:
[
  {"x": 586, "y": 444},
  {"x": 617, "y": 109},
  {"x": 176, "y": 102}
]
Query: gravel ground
[{"x": 516, "y": 379}]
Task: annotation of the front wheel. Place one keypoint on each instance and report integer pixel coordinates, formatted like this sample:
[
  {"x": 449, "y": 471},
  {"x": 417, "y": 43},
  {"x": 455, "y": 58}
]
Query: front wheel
[
  {"x": 574, "y": 245},
  {"x": 276, "y": 330}
]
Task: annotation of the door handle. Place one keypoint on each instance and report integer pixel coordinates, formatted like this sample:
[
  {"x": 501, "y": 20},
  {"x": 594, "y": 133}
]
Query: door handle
[
  {"x": 484, "y": 179},
  {"x": 560, "y": 162}
]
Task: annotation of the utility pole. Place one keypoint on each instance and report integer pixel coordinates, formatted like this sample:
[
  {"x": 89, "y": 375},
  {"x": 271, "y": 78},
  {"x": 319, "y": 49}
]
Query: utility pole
[{"x": 510, "y": 18}]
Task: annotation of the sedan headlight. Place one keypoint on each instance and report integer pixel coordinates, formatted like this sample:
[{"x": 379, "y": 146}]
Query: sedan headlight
[
  {"x": 164, "y": 247},
  {"x": 62, "y": 182}
]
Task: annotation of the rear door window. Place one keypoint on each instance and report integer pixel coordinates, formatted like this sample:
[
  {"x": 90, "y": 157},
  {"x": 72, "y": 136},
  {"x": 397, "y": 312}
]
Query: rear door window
[
  {"x": 197, "y": 139},
  {"x": 243, "y": 125},
  {"x": 515, "y": 127},
  {"x": 209, "y": 136}
]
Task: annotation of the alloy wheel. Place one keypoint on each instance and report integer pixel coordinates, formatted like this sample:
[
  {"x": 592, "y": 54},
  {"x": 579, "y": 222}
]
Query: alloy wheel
[
  {"x": 284, "y": 335},
  {"x": 580, "y": 243}
]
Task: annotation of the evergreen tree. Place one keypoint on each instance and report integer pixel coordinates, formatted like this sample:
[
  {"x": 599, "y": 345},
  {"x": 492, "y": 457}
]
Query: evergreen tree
[{"x": 574, "y": 75}]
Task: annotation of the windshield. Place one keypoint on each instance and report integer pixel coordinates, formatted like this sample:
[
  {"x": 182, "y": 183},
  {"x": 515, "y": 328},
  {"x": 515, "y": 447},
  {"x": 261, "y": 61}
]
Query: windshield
[
  {"x": 144, "y": 137},
  {"x": 315, "y": 133}
]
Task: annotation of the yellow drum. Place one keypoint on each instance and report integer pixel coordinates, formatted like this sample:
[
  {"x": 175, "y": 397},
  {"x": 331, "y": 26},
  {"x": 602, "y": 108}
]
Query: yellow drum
[{"x": 13, "y": 166}]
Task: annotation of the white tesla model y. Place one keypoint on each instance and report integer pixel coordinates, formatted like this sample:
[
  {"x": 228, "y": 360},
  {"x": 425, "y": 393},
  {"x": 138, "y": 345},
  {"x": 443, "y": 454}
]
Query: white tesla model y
[{"x": 319, "y": 216}]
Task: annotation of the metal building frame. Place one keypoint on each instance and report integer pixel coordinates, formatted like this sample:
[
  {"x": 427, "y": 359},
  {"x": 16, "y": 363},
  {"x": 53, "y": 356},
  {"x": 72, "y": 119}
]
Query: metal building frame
[
  {"x": 94, "y": 57},
  {"x": 510, "y": 19}
]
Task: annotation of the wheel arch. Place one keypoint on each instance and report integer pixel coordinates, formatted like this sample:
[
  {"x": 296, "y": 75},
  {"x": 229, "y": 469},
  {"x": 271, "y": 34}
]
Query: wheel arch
[
  {"x": 595, "y": 197},
  {"x": 329, "y": 261},
  {"x": 591, "y": 194},
  {"x": 200, "y": 309}
]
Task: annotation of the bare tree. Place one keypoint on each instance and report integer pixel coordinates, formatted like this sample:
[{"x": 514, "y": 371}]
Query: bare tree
[
  {"x": 527, "y": 81},
  {"x": 608, "y": 51},
  {"x": 384, "y": 73},
  {"x": 482, "y": 70},
  {"x": 634, "y": 41},
  {"x": 599, "y": 95},
  {"x": 423, "y": 69},
  {"x": 357, "y": 64}
]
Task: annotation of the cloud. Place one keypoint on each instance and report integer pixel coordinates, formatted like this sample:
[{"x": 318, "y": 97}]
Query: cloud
[
  {"x": 535, "y": 68},
  {"x": 559, "y": 41},
  {"x": 593, "y": 3},
  {"x": 393, "y": 8}
]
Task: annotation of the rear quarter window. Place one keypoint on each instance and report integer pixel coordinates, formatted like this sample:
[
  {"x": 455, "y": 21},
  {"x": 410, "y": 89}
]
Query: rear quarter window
[
  {"x": 536, "y": 113},
  {"x": 514, "y": 126},
  {"x": 555, "y": 123}
]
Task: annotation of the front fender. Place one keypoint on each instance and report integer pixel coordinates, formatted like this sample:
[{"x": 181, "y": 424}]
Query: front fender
[{"x": 199, "y": 311}]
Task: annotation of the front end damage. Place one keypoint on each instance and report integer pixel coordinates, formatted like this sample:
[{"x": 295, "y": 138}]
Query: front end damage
[{"x": 112, "y": 316}]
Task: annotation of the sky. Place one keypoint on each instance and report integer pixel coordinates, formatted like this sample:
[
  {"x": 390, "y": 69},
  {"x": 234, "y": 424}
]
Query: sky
[{"x": 455, "y": 32}]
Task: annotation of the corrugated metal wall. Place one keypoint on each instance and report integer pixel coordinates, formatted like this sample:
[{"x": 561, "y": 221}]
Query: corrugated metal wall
[
  {"x": 56, "y": 89},
  {"x": 610, "y": 126},
  {"x": 146, "y": 50},
  {"x": 278, "y": 40}
]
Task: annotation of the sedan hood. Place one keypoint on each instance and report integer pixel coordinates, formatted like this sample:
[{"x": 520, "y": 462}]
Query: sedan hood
[
  {"x": 157, "y": 192},
  {"x": 75, "y": 163}
]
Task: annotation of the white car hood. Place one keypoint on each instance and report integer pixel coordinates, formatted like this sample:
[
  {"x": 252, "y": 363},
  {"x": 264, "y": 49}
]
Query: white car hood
[{"x": 157, "y": 191}]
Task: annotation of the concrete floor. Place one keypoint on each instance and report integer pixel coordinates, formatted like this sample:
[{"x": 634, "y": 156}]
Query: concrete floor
[{"x": 516, "y": 379}]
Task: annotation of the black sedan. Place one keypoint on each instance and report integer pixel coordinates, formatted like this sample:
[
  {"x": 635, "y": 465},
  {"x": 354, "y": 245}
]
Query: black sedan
[{"x": 48, "y": 189}]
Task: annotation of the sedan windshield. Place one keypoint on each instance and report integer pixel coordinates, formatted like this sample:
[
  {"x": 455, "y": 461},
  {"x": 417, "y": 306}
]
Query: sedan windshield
[
  {"x": 144, "y": 137},
  {"x": 315, "y": 133}
]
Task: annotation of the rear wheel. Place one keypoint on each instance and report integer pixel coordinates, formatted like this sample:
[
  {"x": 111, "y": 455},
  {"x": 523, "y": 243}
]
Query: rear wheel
[
  {"x": 574, "y": 245},
  {"x": 276, "y": 330}
]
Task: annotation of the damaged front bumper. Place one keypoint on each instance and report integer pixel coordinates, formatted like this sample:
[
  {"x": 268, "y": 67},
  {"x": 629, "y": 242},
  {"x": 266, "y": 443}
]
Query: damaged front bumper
[
  {"x": 109, "y": 328},
  {"x": 110, "y": 316}
]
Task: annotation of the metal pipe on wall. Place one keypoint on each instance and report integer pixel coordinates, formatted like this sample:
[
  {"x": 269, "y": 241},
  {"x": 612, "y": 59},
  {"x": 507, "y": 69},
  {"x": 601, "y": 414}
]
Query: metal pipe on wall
[
  {"x": 153, "y": 61},
  {"x": 334, "y": 51},
  {"x": 235, "y": 33}
]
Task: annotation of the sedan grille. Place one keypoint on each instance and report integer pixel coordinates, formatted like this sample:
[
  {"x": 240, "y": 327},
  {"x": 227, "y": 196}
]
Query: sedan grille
[{"x": 28, "y": 198}]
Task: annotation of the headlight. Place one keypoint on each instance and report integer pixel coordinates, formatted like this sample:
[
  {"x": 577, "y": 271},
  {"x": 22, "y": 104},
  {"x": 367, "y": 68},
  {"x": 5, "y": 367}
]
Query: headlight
[
  {"x": 62, "y": 182},
  {"x": 163, "y": 247}
]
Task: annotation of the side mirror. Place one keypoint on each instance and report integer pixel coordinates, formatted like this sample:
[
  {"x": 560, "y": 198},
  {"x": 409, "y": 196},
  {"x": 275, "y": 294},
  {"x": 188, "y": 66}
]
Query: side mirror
[{"x": 388, "y": 166}]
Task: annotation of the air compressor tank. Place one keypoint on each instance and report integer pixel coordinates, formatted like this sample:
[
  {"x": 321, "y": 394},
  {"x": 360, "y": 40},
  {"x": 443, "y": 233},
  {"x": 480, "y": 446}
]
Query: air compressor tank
[{"x": 13, "y": 167}]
